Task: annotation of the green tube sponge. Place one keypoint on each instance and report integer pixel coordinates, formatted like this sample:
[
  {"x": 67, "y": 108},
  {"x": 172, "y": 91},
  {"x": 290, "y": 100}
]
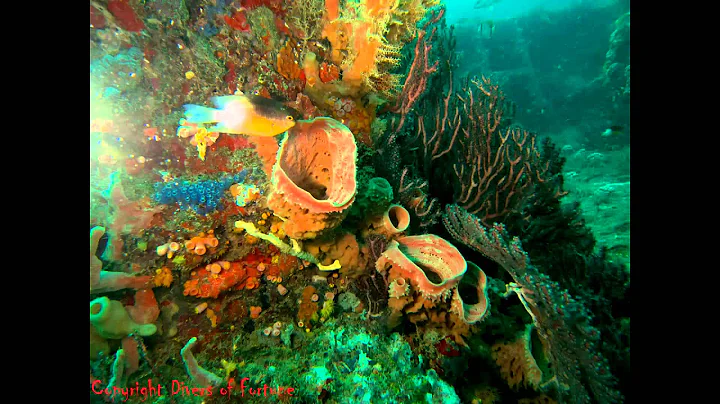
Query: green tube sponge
[{"x": 112, "y": 321}]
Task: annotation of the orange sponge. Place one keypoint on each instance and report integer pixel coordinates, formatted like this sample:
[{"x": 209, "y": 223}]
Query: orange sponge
[{"x": 313, "y": 180}]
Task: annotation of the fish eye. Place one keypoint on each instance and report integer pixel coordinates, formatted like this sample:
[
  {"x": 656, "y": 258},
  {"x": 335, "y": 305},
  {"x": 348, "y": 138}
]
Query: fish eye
[
  {"x": 290, "y": 118},
  {"x": 256, "y": 92}
]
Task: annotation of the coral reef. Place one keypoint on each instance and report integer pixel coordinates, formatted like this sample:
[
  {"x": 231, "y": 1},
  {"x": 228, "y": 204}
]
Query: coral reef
[{"x": 307, "y": 263}]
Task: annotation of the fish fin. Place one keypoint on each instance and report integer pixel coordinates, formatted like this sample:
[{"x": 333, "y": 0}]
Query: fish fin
[
  {"x": 222, "y": 101},
  {"x": 199, "y": 114}
]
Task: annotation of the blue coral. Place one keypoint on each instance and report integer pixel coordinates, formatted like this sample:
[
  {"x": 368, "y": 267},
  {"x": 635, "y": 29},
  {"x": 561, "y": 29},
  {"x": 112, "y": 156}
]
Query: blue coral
[{"x": 203, "y": 196}]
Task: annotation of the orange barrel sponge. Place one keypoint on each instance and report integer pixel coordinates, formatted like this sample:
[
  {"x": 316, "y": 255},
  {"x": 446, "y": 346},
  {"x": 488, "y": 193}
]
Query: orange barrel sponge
[
  {"x": 433, "y": 265},
  {"x": 475, "y": 282},
  {"x": 313, "y": 179}
]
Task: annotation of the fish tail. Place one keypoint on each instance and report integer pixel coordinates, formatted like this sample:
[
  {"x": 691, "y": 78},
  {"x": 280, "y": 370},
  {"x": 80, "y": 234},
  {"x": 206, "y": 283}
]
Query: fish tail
[{"x": 200, "y": 114}]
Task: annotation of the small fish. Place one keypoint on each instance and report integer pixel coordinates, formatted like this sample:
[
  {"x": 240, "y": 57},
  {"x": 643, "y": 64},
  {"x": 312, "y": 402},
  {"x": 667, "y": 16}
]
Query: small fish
[
  {"x": 613, "y": 131},
  {"x": 243, "y": 115}
]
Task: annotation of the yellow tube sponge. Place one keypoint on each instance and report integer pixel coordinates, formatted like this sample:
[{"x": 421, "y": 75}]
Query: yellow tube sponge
[
  {"x": 293, "y": 250},
  {"x": 112, "y": 321}
]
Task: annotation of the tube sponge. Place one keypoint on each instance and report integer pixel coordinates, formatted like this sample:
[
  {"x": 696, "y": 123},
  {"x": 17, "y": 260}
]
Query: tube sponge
[
  {"x": 394, "y": 221},
  {"x": 112, "y": 321},
  {"x": 199, "y": 375}
]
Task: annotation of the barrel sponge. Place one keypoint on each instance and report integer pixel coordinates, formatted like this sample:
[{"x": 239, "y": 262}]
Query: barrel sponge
[
  {"x": 420, "y": 258},
  {"x": 477, "y": 306},
  {"x": 112, "y": 321},
  {"x": 313, "y": 179}
]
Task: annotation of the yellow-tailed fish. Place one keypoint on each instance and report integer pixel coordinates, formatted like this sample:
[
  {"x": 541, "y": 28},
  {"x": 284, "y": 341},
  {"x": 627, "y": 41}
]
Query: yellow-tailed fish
[{"x": 242, "y": 114}]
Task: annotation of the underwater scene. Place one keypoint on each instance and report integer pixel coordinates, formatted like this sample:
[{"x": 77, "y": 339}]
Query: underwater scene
[{"x": 360, "y": 201}]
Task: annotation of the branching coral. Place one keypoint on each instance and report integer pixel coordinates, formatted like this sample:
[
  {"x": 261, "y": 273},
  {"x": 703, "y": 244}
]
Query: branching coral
[
  {"x": 403, "y": 22},
  {"x": 497, "y": 166},
  {"x": 420, "y": 71}
]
